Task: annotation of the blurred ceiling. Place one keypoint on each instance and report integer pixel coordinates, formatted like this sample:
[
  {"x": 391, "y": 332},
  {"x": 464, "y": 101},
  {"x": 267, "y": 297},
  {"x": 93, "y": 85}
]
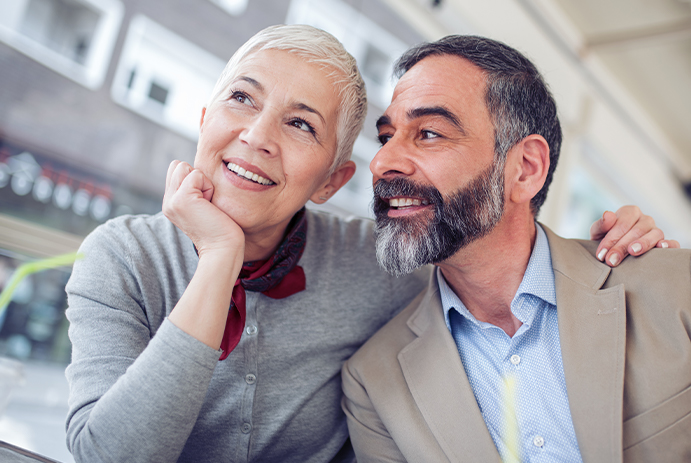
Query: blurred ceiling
[{"x": 646, "y": 45}]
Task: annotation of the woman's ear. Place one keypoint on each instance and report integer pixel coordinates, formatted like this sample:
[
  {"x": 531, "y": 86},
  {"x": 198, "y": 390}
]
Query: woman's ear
[
  {"x": 201, "y": 121},
  {"x": 531, "y": 161},
  {"x": 334, "y": 183}
]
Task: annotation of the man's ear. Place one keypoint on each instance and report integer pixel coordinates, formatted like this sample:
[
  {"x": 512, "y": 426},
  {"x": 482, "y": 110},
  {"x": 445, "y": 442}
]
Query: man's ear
[
  {"x": 531, "y": 163},
  {"x": 334, "y": 183}
]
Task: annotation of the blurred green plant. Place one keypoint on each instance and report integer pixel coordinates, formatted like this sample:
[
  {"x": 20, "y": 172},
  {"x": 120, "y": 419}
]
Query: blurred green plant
[{"x": 35, "y": 266}]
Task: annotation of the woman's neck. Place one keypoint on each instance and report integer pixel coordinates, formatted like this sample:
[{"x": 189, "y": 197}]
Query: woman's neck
[{"x": 262, "y": 244}]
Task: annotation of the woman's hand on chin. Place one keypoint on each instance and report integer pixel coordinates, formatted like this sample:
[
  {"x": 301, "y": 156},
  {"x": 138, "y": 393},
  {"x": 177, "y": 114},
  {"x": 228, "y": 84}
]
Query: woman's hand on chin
[{"x": 187, "y": 203}]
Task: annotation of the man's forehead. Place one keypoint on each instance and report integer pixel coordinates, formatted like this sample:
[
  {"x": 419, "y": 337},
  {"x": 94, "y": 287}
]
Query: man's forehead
[{"x": 440, "y": 80}]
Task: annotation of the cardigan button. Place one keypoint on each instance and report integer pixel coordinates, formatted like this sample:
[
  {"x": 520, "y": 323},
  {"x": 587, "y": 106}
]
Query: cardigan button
[
  {"x": 246, "y": 428},
  {"x": 251, "y": 330}
]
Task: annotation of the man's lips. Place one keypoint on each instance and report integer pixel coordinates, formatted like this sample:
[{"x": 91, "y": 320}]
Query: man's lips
[
  {"x": 402, "y": 202},
  {"x": 248, "y": 175}
]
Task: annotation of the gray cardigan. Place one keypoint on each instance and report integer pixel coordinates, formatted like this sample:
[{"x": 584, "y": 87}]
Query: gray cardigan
[{"x": 141, "y": 390}]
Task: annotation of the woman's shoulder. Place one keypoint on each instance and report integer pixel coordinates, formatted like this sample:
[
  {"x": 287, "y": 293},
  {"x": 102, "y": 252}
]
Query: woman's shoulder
[
  {"x": 136, "y": 230},
  {"x": 340, "y": 229},
  {"x": 140, "y": 241}
]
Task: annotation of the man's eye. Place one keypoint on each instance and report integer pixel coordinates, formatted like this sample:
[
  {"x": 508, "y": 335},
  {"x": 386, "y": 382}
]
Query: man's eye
[
  {"x": 426, "y": 134},
  {"x": 383, "y": 139},
  {"x": 302, "y": 125}
]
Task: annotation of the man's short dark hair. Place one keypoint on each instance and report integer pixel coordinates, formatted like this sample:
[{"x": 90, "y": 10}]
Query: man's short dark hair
[{"x": 517, "y": 98}]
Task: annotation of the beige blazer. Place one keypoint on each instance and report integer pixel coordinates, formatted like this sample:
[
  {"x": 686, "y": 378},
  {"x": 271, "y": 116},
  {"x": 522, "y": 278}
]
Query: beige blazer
[{"x": 626, "y": 348}]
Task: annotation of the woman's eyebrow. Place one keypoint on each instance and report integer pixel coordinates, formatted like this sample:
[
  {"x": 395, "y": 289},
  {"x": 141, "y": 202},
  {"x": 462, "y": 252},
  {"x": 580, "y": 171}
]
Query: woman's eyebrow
[
  {"x": 254, "y": 83},
  {"x": 304, "y": 107}
]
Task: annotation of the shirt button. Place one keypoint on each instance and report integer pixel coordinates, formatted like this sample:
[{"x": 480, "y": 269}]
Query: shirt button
[
  {"x": 246, "y": 428},
  {"x": 538, "y": 441},
  {"x": 251, "y": 330},
  {"x": 515, "y": 359},
  {"x": 250, "y": 379}
]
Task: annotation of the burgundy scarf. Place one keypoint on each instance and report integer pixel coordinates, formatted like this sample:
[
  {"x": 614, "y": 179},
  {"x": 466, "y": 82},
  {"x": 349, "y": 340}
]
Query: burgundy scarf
[{"x": 277, "y": 277}]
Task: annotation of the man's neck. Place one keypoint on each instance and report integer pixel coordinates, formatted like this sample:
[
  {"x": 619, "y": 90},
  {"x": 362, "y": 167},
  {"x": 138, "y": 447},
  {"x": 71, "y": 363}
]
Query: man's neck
[{"x": 487, "y": 273}]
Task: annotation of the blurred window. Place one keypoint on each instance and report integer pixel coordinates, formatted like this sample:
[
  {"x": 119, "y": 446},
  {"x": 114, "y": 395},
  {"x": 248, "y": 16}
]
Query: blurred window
[
  {"x": 234, "y": 7},
  {"x": 73, "y": 37},
  {"x": 164, "y": 77},
  {"x": 374, "y": 48},
  {"x": 590, "y": 192}
]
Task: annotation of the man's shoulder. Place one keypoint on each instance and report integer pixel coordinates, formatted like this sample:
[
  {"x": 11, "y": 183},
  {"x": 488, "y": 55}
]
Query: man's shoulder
[{"x": 384, "y": 346}]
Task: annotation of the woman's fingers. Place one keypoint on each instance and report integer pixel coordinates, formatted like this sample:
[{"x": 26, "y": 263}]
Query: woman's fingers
[
  {"x": 628, "y": 231},
  {"x": 668, "y": 244}
]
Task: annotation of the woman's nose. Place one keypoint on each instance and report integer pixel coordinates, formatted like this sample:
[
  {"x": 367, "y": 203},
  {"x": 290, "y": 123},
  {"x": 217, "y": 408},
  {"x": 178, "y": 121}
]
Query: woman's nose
[
  {"x": 392, "y": 159},
  {"x": 261, "y": 133}
]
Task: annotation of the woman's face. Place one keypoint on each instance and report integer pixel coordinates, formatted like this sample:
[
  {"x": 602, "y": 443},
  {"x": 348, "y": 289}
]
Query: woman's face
[{"x": 275, "y": 123}]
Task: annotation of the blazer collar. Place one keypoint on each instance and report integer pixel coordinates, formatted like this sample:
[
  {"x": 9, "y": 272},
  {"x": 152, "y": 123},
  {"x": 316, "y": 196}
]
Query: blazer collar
[
  {"x": 592, "y": 333},
  {"x": 438, "y": 383}
]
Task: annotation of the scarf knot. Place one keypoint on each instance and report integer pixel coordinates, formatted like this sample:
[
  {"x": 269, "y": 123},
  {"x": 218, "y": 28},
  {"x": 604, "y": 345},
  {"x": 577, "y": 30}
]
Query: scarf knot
[{"x": 277, "y": 277}]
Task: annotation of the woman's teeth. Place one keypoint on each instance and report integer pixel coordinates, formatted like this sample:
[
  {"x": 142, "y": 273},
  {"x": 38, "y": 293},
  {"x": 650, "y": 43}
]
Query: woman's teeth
[
  {"x": 403, "y": 202},
  {"x": 249, "y": 175}
]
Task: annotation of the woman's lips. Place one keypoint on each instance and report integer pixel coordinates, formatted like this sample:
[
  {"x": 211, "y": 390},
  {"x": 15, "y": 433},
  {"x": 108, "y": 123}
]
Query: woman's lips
[{"x": 249, "y": 175}]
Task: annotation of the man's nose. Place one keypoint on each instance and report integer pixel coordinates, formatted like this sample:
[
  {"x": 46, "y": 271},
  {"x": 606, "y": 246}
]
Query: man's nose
[
  {"x": 261, "y": 133},
  {"x": 392, "y": 159}
]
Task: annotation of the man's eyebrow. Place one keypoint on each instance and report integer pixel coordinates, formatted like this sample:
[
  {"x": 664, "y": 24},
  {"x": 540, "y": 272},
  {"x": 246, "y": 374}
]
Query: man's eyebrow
[
  {"x": 383, "y": 120},
  {"x": 436, "y": 111}
]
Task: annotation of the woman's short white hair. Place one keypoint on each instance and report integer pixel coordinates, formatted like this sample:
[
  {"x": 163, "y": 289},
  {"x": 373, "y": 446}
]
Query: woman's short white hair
[{"x": 316, "y": 46}]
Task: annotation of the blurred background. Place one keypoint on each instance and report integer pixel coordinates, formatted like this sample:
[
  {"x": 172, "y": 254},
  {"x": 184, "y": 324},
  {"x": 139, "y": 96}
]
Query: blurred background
[{"x": 98, "y": 96}]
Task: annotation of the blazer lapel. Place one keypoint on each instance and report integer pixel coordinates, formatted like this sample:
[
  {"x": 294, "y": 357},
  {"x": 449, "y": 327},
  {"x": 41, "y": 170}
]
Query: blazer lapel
[
  {"x": 438, "y": 383},
  {"x": 592, "y": 333}
]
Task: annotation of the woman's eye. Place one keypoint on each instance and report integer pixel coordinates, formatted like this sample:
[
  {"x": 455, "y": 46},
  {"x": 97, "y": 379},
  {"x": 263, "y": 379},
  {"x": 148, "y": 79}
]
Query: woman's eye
[
  {"x": 302, "y": 125},
  {"x": 241, "y": 97}
]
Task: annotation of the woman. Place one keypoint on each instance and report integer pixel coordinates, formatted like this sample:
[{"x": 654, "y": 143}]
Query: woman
[{"x": 148, "y": 304}]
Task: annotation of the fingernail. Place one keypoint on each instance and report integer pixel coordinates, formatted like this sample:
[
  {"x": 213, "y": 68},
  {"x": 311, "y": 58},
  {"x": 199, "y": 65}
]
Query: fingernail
[
  {"x": 636, "y": 247},
  {"x": 664, "y": 244},
  {"x": 602, "y": 253},
  {"x": 614, "y": 259}
]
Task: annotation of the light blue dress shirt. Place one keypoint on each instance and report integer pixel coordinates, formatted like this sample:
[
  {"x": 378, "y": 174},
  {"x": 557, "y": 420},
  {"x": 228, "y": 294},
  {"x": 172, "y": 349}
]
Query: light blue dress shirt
[{"x": 532, "y": 356}]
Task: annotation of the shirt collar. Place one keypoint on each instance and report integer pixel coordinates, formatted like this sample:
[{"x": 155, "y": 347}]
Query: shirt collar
[{"x": 538, "y": 281}]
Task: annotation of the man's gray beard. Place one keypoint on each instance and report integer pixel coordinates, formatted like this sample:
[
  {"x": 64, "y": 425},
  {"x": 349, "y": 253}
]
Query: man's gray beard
[{"x": 406, "y": 244}]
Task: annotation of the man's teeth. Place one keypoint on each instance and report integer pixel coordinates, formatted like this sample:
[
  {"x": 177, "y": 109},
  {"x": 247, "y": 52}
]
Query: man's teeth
[
  {"x": 403, "y": 202},
  {"x": 249, "y": 175}
]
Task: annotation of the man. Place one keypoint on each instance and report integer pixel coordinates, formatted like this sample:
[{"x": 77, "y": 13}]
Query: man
[{"x": 600, "y": 357}]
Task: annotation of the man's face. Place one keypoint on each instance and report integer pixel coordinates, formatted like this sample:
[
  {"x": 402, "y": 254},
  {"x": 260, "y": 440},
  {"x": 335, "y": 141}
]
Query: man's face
[{"x": 436, "y": 185}]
